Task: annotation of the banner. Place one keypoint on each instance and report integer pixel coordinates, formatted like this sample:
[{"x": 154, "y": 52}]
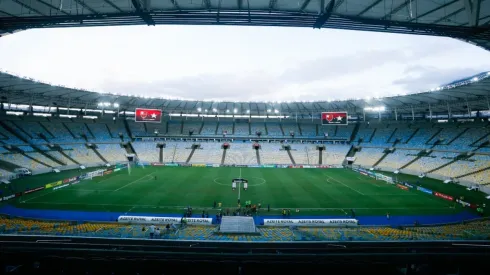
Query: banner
[
  {"x": 334, "y": 118},
  {"x": 157, "y": 164},
  {"x": 424, "y": 190},
  {"x": 33, "y": 190},
  {"x": 403, "y": 187},
  {"x": 198, "y": 165},
  {"x": 311, "y": 222},
  {"x": 6, "y": 198},
  {"x": 408, "y": 185},
  {"x": 53, "y": 184},
  {"x": 70, "y": 180},
  {"x": 108, "y": 172},
  {"x": 444, "y": 196},
  {"x": 216, "y": 165},
  {"x": 148, "y": 115},
  {"x": 61, "y": 186},
  {"x": 162, "y": 220},
  {"x": 350, "y": 159}
]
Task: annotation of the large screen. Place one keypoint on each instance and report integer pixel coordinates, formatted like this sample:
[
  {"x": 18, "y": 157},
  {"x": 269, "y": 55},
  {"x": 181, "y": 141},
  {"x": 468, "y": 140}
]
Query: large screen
[
  {"x": 334, "y": 118},
  {"x": 148, "y": 115}
]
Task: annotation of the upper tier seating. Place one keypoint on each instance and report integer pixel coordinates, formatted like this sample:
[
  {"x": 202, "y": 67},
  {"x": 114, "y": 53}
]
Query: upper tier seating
[
  {"x": 308, "y": 130},
  {"x": 224, "y": 127},
  {"x": 335, "y": 154},
  {"x": 209, "y": 129},
  {"x": 274, "y": 130},
  {"x": 195, "y": 126},
  {"x": 289, "y": 127},
  {"x": 427, "y": 163}
]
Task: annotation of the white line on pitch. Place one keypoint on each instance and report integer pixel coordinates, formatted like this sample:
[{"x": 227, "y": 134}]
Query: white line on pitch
[
  {"x": 239, "y": 182},
  {"x": 346, "y": 185},
  {"x": 183, "y": 207},
  {"x": 133, "y": 182},
  {"x": 42, "y": 195}
]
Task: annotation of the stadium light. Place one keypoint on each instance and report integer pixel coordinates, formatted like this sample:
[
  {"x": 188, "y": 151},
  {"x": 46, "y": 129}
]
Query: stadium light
[
  {"x": 488, "y": 73},
  {"x": 375, "y": 109},
  {"x": 268, "y": 110},
  {"x": 227, "y": 111},
  {"x": 199, "y": 109},
  {"x": 235, "y": 110},
  {"x": 248, "y": 111},
  {"x": 214, "y": 110},
  {"x": 205, "y": 110},
  {"x": 276, "y": 111},
  {"x": 474, "y": 79},
  {"x": 116, "y": 105}
]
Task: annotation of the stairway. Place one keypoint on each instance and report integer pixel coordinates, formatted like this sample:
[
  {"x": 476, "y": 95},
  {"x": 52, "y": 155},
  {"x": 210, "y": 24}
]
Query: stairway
[
  {"x": 8, "y": 166},
  {"x": 386, "y": 152},
  {"x": 299, "y": 128},
  {"x": 265, "y": 127},
  {"x": 68, "y": 157},
  {"x": 413, "y": 134},
  {"x": 320, "y": 157},
  {"x": 258, "y": 156},
  {"x": 410, "y": 162},
  {"x": 8, "y": 128},
  {"x": 191, "y": 154},
  {"x": 442, "y": 166},
  {"x": 200, "y": 128},
  {"x": 433, "y": 136},
  {"x": 374, "y": 133},
  {"x": 474, "y": 172},
  {"x": 69, "y": 131},
  {"x": 291, "y": 156},
  {"x": 282, "y": 130},
  {"x": 458, "y": 135},
  {"x": 160, "y": 157},
  {"x": 128, "y": 130},
  {"x": 223, "y": 158},
  {"x": 98, "y": 154},
  {"x": 354, "y": 132}
]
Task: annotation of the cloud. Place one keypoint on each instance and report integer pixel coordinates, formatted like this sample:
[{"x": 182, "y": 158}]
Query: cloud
[{"x": 424, "y": 78}]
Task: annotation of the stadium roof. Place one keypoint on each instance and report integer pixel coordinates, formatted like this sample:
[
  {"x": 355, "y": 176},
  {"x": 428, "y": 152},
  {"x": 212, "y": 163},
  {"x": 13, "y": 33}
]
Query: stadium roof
[
  {"x": 468, "y": 20},
  {"x": 473, "y": 92}
]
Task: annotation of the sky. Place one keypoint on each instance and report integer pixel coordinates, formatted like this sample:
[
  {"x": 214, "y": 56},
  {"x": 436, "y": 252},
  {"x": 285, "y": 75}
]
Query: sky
[{"x": 240, "y": 63}]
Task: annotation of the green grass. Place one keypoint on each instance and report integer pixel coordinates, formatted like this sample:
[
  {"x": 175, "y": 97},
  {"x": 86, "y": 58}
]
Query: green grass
[
  {"x": 451, "y": 189},
  {"x": 313, "y": 191}
]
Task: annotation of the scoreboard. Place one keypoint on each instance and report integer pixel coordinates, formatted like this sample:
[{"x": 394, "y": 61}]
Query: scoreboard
[{"x": 334, "y": 118}]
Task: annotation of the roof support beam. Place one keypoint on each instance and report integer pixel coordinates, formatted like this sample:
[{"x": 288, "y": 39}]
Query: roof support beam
[
  {"x": 207, "y": 4},
  {"x": 323, "y": 18},
  {"x": 304, "y": 5},
  {"x": 374, "y": 4},
  {"x": 176, "y": 4},
  {"x": 442, "y": 19},
  {"x": 239, "y": 4},
  {"x": 24, "y": 5},
  {"x": 110, "y": 3},
  {"x": 142, "y": 9},
  {"x": 272, "y": 4},
  {"x": 396, "y": 10},
  {"x": 82, "y": 3},
  {"x": 52, "y": 7},
  {"x": 473, "y": 11},
  {"x": 433, "y": 10}
]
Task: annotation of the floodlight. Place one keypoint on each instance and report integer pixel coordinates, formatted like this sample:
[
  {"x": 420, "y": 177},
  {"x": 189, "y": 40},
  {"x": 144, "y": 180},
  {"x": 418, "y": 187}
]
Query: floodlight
[
  {"x": 248, "y": 111},
  {"x": 214, "y": 110},
  {"x": 276, "y": 111},
  {"x": 268, "y": 110},
  {"x": 199, "y": 109},
  {"x": 474, "y": 79},
  {"x": 235, "y": 110},
  {"x": 116, "y": 105}
]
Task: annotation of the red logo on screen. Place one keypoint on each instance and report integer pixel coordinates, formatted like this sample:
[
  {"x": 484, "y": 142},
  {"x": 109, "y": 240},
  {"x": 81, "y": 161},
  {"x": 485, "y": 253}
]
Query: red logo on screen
[
  {"x": 329, "y": 117},
  {"x": 148, "y": 115}
]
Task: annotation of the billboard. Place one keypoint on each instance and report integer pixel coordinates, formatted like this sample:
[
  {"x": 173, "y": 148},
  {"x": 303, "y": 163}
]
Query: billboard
[
  {"x": 334, "y": 118},
  {"x": 148, "y": 115}
]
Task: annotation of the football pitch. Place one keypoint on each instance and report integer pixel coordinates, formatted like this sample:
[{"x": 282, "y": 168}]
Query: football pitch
[{"x": 171, "y": 189}]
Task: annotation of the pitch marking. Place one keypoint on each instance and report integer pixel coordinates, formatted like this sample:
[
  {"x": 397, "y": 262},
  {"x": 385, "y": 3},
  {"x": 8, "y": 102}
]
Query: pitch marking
[
  {"x": 346, "y": 185},
  {"x": 263, "y": 181},
  {"x": 134, "y": 181},
  {"x": 279, "y": 208}
]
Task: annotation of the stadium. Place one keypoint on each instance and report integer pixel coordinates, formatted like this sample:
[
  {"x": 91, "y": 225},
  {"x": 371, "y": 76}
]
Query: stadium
[{"x": 187, "y": 180}]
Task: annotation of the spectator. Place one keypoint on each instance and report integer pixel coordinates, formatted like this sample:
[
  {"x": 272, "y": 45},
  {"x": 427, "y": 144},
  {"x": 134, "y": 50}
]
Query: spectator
[{"x": 157, "y": 233}]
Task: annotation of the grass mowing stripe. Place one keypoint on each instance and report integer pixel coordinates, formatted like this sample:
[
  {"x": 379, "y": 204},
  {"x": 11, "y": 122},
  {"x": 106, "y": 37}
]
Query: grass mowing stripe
[
  {"x": 133, "y": 181},
  {"x": 346, "y": 185}
]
